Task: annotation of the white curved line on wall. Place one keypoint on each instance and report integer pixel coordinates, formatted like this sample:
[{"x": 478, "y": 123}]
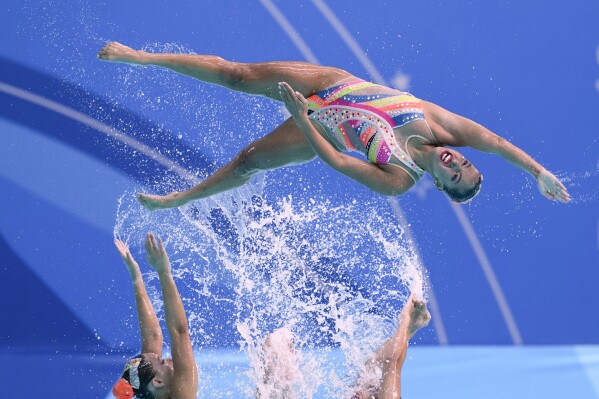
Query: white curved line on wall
[
  {"x": 97, "y": 125},
  {"x": 292, "y": 33},
  {"x": 485, "y": 265}
]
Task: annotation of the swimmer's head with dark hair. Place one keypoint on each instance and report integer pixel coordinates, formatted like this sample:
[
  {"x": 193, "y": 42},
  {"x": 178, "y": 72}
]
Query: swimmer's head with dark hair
[
  {"x": 464, "y": 197},
  {"x": 455, "y": 175},
  {"x": 145, "y": 376},
  {"x": 136, "y": 379}
]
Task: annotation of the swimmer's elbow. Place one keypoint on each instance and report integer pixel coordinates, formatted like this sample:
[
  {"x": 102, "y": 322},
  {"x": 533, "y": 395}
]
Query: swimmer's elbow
[
  {"x": 344, "y": 164},
  {"x": 339, "y": 161},
  {"x": 179, "y": 328},
  {"x": 486, "y": 141},
  {"x": 497, "y": 145},
  {"x": 394, "y": 191}
]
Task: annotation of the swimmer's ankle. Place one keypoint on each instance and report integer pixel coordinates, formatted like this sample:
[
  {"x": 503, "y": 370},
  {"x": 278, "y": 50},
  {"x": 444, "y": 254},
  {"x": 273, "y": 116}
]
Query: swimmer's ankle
[{"x": 176, "y": 199}]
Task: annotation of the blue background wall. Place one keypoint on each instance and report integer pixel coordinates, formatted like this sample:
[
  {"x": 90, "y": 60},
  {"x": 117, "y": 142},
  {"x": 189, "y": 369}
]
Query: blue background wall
[{"x": 528, "y": 71}]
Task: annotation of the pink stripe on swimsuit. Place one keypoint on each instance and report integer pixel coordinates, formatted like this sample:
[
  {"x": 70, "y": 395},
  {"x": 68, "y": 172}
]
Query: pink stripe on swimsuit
[{"x": 371, "y": 118}]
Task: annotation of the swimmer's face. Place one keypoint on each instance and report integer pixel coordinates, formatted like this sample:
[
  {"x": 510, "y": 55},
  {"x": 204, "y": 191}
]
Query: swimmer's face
[
  {"x": 452, "y": 171},
  {"x": 163, "y": 369}
]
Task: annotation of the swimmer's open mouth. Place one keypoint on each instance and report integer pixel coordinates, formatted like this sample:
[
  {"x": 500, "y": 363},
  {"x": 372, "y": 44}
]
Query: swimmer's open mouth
[{"x": 446, "y": 157}]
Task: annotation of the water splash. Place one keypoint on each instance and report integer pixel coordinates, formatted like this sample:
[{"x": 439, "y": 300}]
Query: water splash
[
  {"x": 582, "y": 185},
  {"x": 333, "y": 276}
]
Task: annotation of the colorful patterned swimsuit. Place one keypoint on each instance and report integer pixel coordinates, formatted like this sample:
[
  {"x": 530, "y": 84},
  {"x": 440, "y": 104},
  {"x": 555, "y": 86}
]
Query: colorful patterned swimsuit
[{"x": 370, "y": 119}]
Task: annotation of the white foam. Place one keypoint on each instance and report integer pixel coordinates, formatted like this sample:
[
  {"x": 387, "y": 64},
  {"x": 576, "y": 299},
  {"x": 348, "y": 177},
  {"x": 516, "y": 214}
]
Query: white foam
[{"x": 324, "y": 274}]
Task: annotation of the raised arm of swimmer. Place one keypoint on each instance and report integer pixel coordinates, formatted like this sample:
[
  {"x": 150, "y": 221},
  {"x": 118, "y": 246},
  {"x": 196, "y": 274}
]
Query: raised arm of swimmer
[
  {"x": 391, "y": 355},
  {"x": 459, "y": 131},
  {"x": 147, "y": 374},
  {"x": 151, "y": 333},
  {"x": 185, "y": 376}
]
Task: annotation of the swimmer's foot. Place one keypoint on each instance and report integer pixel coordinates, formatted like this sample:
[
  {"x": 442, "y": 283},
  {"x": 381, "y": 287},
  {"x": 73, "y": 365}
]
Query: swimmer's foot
[
  {"x": 416, "y": 313},
  {"x": 153, "y": 202},
  {"x": 117, "y": 52}
]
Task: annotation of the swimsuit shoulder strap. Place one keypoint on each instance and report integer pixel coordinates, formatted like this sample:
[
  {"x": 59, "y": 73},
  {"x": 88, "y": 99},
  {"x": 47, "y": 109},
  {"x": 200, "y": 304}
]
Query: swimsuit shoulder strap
[{"x": 409, "y": 161}]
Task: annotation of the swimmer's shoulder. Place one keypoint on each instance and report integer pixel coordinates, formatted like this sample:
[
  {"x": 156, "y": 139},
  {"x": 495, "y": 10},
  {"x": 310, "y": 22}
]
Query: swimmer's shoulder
[{"x": 444, "y": 124}]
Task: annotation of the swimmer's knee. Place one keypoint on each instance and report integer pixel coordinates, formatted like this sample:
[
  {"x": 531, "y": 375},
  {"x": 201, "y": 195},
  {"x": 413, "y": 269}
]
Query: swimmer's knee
[
  {"x": 245, "y": 164},
  {"x": 236, "y": 75}
]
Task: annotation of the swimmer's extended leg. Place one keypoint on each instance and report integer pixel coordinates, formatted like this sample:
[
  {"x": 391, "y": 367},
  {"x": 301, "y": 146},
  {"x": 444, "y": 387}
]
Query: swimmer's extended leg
[
  {"x": 284, "y": 146},
  {"x": 391, "y": 355},
  {"x": 257, "y": 78}
]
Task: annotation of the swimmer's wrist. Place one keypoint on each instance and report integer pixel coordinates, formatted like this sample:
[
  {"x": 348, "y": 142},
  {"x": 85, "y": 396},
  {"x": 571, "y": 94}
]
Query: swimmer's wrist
[
  {"x": 302, "y": 120},
  {"x": 537, "y": 171},
  {"x": 137, "y": 279},
  {"x": 534, "y": 168},
  {"x": 142, "y": 57},
  {"x": 165, "y": 273}
]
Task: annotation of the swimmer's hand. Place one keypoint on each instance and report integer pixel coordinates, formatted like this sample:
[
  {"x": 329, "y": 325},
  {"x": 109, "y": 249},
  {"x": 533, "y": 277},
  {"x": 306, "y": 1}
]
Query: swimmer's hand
[
  {"x": 117, "y": 52},
  {"x": 415, "y": 314},
  {"x": 156, "y": 254},
  {"x": 153, "y": 202},
  {"x": 131, "y": 264},
  {"x": 294, "y": 101},
  {"x": 551, "y": 187}
]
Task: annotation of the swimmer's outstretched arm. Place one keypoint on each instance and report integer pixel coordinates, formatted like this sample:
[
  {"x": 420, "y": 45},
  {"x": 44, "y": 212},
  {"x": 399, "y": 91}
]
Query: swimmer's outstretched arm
[
  {"x": 465, "y": 132},
  {"x": 372, "y": 176},
  {"x": 151, "y": 333},
  {"x": 185, "y": 378}
]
